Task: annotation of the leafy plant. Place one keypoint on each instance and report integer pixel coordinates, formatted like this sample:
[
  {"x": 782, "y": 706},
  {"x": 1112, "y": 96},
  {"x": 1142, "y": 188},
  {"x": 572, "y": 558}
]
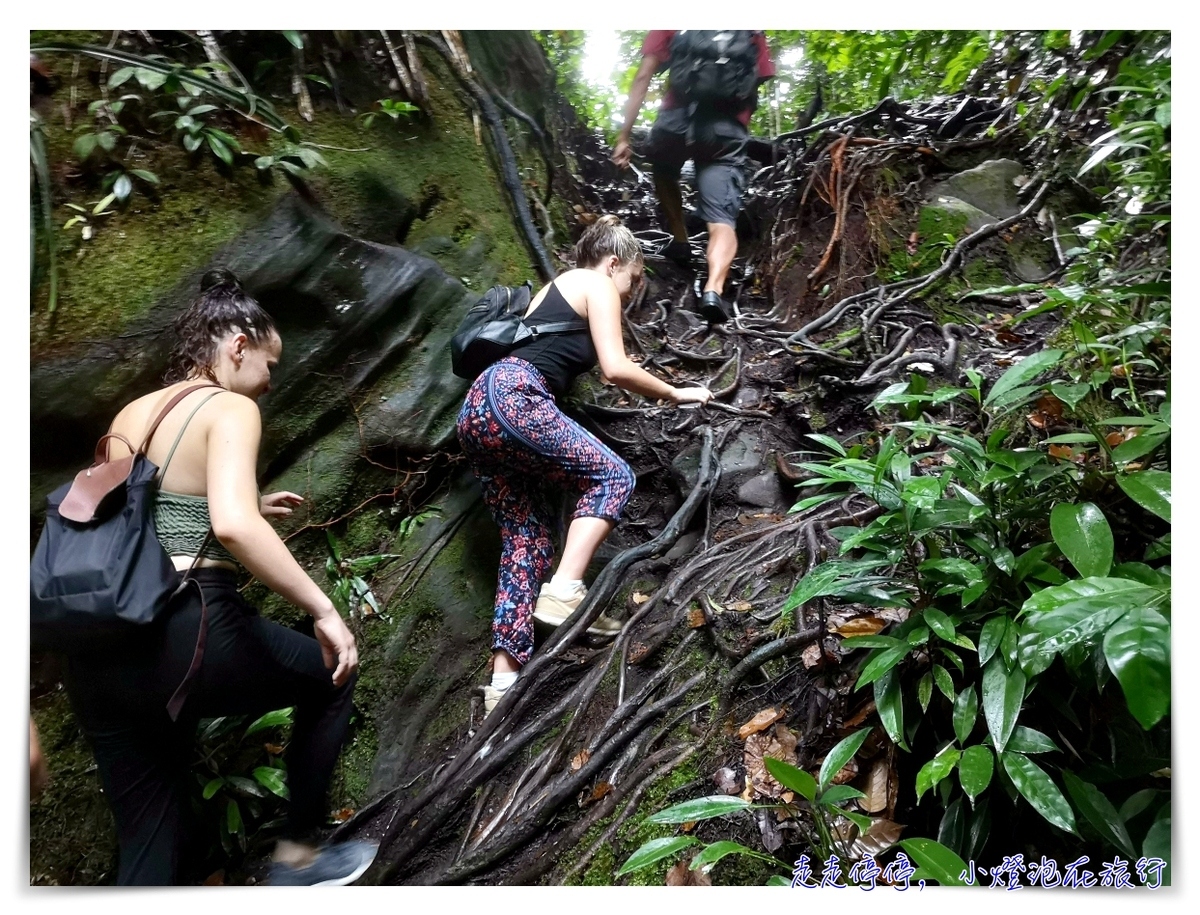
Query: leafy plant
[
  {"x": 242, "y": 782},
  {"x": 393, "y": 108}
]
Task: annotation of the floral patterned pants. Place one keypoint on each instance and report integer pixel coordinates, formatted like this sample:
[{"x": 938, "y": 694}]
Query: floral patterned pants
[{"x": 518, "y": 441}]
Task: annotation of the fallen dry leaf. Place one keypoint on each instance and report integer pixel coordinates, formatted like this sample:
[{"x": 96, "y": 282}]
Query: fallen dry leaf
[
  {"x": 681, "y": 874},
  {"x": 741, "y": 606},
  {"x": 639, "y": 598},
  {"x": 1064, "y": 453},
  {"x": 727, "y": 781},
  {"x": 601, "y": 789},
  {"x": 638, "y": 651},
  {"x": 778, "y": 745},
  {"x": 861, "y": 715},
  {"x": 864, "y": 625},
  {"x": 876, "y": 788},
  {"x": 811, "y": 656},
  {"x": 913, "y": 241},
  {"x": 273, "y": 748},
  {"x": 343, "y": 815},
  {"x": 695, "y": 618},
  {"x": 580, "y": 760},
  {"x": 882, "y": 835},
  {"x": 1120, "y": 371},
  {"x": 759, "y": 722},
  {"x": 893, "y": 614},
  {"x": 216, "y": 878},
  {"x": 1114, "y": 438}
]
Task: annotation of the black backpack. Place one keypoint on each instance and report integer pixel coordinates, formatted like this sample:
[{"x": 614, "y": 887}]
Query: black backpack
[
  {"x": 714, "y": 69},
  {"x": 99, "y": 573},
  {"x": 493, "y": 328}
]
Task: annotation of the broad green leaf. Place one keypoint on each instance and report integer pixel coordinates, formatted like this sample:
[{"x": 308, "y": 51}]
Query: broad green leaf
[
  {"x": 274, "y": 780},
  {"x": 294, "y": 39},
  {"x": 1028, "y": 740},
  {"x": 990, "y": 636},
  {"x": 792, "y": 778},
  {"x": 828, "y": 441},
  {"x": 1099, "y": 811},
  {"x": 975, "y": 771},
  {"x": 1139, "y": 446},
  {"x": 924, "y": 691},
  {"x": 1003, "y": 694},
  {"x": 212, "y": 788},
  {"x": 1092, "y": 595},
  {"x": 941, "y": 863},
  {"x": 944, "y": 682},
  {"x": 703, "y": 808},
  {"x": 146, "y": 176},
  {"x": 1025, "y": 370},
  {"x": 1138, "y": 651},
  {"x": 880, "y": 664},
  {"x": 246, "y": 786},
  {"x": 233, "y": 817},
  {"x": 873, "y": 641},
  {"x": 939, "y": 623},
  {"x": 922, "y": 493},
  {"x": 825, "y": 580},
  {"x": 835, "y": 794},
  {"x": 1082, "y": 533},
  {"x": 966, "y": 710},
  {"x": 122, "y": 187},
  {"x": 655, "y": 850},
  {"x": 777, "y": 880},
  {"x": 220, "y": 150},
  {"x": 711, "y": 854},
  {"x": 889, "y": 702},
  {"x": 1151, "y": 489},
  {"x": 1158, "y": 842},
  {"x": 862, "y": 822},
  {"x": 1137, "y": 803},
  {"x": 841, "y": 754},
  {"x": 1039, "y": 789},
  {"x": 277, "y": 718},
  {"x": 936, "y": 769},
  {"x": 1160, "y": 578},
  {"x": 1070, "y": 394}
]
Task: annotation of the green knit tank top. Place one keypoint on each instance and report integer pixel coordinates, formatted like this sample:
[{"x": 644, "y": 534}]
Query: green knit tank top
[{"x": 181, "y": 521}]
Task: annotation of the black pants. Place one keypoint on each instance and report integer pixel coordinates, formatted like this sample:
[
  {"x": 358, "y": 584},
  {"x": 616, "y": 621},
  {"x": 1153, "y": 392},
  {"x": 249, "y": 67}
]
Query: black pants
[{"x": 251, "y": 666}]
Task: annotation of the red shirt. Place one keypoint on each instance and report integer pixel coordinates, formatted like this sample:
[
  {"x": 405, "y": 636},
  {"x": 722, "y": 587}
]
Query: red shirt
[{"x": 658, "y": 45}]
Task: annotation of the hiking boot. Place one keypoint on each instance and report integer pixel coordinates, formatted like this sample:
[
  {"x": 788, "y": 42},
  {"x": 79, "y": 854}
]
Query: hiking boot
[
  {"x": 554, "y": 611},
  {"x": 714, "y": 308},
  {"x": 491, "y": 698},
  {"x": 678, "y": 252},
  {"x": 335, "y": 865}
]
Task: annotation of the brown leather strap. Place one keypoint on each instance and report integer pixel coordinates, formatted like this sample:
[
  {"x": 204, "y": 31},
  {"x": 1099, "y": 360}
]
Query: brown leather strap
[
  {"x": 171, "y": 406},
  {"x": 102, "y": 447},
  {"x": 175, "y": 705}
]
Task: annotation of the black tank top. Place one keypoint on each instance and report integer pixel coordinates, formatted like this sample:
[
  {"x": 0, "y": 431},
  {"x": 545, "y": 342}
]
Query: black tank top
[{"x": 559, "y": 357}]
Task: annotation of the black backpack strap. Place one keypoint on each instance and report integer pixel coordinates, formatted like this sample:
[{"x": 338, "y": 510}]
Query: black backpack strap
[{"x": 559, "y": 327}]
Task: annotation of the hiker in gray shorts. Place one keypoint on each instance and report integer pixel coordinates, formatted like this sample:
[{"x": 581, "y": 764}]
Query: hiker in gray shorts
[{"x": 711, "y": 94}]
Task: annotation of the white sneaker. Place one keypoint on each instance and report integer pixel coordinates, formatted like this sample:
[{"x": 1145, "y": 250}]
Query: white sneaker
[
  {"x": 491, "y": 698},
  {"x": 554, "y": 611}
]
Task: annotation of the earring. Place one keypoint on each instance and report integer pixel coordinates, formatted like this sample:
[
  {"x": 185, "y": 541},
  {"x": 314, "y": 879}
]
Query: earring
[{"x": 241, "y": 356}]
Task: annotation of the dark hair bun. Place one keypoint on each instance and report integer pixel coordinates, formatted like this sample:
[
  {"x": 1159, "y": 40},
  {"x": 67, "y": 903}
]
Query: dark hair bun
[{"x": 219, "y": 277}]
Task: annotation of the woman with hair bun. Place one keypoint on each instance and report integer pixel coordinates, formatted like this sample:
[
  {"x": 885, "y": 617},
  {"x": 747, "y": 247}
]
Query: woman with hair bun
[
  {"x": 210, "y": 519},
  {"x": 518, "y": 441}
]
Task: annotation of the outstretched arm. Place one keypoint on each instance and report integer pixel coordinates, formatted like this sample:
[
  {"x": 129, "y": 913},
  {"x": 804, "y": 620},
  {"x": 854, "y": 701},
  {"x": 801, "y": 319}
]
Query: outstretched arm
[
  {"x": 233, "y": 504},
  {"x": 604, "y": 322},
  {"x": 623, "y": 152}
]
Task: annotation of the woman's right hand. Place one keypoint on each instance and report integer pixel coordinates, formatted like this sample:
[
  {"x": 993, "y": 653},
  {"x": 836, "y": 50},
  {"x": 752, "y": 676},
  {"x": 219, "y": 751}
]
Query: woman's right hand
[
  {"x": 337, "y": 645},
  {"x": 692, "y": 395}
]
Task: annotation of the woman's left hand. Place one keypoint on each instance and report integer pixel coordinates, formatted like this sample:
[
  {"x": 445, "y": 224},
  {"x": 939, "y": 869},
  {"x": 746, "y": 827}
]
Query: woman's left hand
[{"x": 278, "y": 504}]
